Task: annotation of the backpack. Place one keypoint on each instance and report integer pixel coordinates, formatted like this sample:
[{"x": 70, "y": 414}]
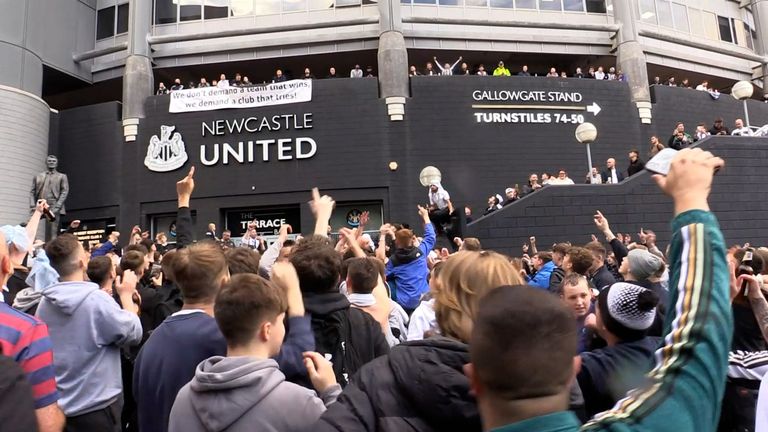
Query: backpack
[{"x": 334, "y": 339}]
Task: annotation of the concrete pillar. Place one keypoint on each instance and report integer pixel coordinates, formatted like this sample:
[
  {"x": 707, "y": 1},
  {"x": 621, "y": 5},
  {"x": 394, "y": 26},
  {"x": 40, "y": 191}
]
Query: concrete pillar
[
  {"x": 630, "y": 57},
  {"x": 393, "y": 60},
  {"x": 760, "y": 12},
  {"x": 138, "y": 81},
  {"x": 24, "y": 123}
]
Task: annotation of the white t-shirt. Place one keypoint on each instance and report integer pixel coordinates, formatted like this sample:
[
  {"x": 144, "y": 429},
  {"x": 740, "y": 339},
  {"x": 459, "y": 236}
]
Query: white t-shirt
[
  {"x": 422, "y": 320},
  {"x": 439, "y": 198},
  {"x": 761, "y": 415},
  {"x": 558, "y": 181}
]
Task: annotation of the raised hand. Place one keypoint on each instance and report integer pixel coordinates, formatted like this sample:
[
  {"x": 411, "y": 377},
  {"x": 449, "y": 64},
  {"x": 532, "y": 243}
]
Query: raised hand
[
  {"x": 689, "y": 180},
  {"x": 184, "y": 188},
  {"x": 601, "y": 222}
]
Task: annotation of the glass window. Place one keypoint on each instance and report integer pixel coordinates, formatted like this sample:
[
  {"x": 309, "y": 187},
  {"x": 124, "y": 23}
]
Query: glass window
[
  {"x": 573, "y": 5},
  {"x": 596, "y": 6},
  {"x": 748, "y": 35},
  {"x": 724, "y": 24},
  {"x": 213, "y": 9},
  {"x": 448, "y": 2},
  {"x": 664, "y": 13},
  {"x": 680, "y": 15},
  {"x": 738, "y": 30},
  {"x": 521, "y": 4},
  {"x": 165, "y": 12},
  {"x": 697, "y": 23},
  {"x": 710, "y": 25},
  {"x": 482, "y": 3},
  {"x": 424, "y": 1},
  {"x": 122, "y": 18},
  {"x": 294, "y": 5},
  {"x": 190, "y": 12},
  {"x": 339, "y": 3},
  {"x": 405, "y": 1},
  {"x": 105, "y": 23},
  {"x": 551, "y": 5},
  {"x": 266, "y": 7},
  {"x": 647, "y": 11},
  {"x": 240, "y": 7}
]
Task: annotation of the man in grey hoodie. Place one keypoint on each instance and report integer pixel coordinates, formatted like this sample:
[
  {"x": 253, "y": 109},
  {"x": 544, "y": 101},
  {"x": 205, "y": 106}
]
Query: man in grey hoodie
[
  {"x": 87, "y": 329},
  {"x": 246, "y": 391}
]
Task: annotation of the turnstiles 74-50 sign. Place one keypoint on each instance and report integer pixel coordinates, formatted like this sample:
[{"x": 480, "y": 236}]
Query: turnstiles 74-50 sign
[
  {"x": 531, "y": 106},
  {"x": 215, "y": 98}
]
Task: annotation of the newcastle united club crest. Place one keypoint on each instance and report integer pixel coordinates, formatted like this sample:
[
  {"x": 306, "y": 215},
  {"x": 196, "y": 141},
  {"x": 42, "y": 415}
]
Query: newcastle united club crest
[{"x": 166, "y": 153}]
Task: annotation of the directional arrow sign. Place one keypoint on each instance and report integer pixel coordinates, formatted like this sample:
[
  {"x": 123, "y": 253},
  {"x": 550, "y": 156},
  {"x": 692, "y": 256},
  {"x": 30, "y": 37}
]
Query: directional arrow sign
[{"x": 594, "y": 108}]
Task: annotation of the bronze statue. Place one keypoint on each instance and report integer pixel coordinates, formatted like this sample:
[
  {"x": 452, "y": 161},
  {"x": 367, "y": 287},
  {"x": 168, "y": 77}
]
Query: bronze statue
[{"x": 53, "y": 187}]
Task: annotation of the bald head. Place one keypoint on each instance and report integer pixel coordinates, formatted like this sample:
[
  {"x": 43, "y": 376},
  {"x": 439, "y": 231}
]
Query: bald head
[{"x": 610, "y": 163}]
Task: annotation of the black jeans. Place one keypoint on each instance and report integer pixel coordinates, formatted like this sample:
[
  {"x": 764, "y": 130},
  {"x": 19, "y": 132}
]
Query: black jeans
[{"x": 106, "y": 420}]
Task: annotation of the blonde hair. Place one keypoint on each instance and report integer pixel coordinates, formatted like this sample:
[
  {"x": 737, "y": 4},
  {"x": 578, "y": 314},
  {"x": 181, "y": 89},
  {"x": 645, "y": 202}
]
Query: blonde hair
[{"x": 465, "y": 278}]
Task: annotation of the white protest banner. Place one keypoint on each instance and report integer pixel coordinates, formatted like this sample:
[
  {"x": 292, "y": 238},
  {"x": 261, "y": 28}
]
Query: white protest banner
[{"x": 215, "y": 98}]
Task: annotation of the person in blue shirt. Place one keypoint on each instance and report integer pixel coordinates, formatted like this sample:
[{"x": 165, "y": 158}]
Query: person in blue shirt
[
  {"x": 542, "y": 262},
  {"x": 408, "y": 264}
]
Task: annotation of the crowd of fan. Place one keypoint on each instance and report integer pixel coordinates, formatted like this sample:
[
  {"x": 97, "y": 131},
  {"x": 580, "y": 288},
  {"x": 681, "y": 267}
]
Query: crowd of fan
[
  {"x": 430, "y": 69},
  {"x": 678, "y": 140},
  {"x": 391, "y": 336},
  {"x": 435, "y": 69}
]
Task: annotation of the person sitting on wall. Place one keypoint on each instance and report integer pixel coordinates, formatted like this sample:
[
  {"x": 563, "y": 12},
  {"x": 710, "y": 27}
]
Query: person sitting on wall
[
  {"x": 493, "y": 205},
  {"x": 511, "y": 195},
  {"x": 532, "y": 186},
  {"x": 501, "y": 70},
  {"x": 448, "y": 68},
  {"x": 429, "y": 70},
  {"x": 279, "y": 77},
  {"x": 635, "y": 163},
  {"x": 719, "y": 128},
  {"x": 161, "y": 89},
  {"x": 307, "y": 74},
  {"x": 701, "y": 132},
  {"x": 177, "y": 85},
  {"x": 223, "y": 81},
  {"x": 594, "y": 177},
  {"x": 679, "y": 139},
  {"x": 600, "y": 73},
  {"x": 611, "y": 174},
  {"x": 740, "y": 129},
  {"x": 440, "y": 206},
  {"x": 561, "y": 179}
]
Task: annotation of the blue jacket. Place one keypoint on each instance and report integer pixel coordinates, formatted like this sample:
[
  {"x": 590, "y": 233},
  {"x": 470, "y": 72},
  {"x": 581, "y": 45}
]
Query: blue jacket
[
  {"x": 411, "y": 274},
  {"x": 541, "y": 278}
]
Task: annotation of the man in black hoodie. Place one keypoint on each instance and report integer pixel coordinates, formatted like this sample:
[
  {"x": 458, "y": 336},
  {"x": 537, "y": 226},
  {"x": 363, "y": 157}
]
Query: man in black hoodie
[{"x": 346, "y": 336}]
